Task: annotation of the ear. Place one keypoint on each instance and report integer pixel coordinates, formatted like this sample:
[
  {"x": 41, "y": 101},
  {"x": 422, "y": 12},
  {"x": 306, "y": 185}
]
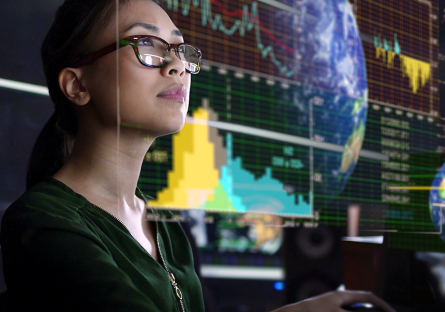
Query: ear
[{"x": 72, "y": 86}]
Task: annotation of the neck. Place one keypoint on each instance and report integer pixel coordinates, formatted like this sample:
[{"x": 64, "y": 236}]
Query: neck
[{"x": 105, "y": 167}]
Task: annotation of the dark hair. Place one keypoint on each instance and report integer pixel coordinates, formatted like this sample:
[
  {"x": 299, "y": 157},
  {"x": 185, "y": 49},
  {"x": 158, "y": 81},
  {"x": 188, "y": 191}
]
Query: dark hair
[{"x": 71, "y": 36}]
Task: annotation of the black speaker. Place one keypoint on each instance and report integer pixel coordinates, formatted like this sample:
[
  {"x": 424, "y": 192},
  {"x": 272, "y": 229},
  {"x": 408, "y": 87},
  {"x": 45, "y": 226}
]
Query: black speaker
[{"x": 312, "y": 261}]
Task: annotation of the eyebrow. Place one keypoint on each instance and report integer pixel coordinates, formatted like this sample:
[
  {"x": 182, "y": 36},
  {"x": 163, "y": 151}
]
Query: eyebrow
[{"x": 154, "y": 28}]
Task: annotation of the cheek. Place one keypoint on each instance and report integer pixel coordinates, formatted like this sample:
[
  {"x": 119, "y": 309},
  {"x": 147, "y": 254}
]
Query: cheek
[
  {"x": 187, "y": 80},
  {"x": 132, "y": 92},
  {"x": 102, "y": 85},
  {"x": 136, "y": 88},
  {"x": 137, "y": 93}
]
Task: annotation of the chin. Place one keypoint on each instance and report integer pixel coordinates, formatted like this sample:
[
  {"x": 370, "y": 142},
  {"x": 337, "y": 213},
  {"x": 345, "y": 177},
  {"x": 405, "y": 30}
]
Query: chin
[{"x": 174, "y": 128}]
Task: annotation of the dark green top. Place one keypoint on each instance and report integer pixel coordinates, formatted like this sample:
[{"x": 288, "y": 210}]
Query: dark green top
[{"x": 61, "y": 253}]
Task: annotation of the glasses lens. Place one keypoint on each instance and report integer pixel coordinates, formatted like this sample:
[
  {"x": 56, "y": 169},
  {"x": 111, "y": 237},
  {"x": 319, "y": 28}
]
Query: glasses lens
[
  {"x": 152, "y": 51},
  {"x": 190, "y": 56}
]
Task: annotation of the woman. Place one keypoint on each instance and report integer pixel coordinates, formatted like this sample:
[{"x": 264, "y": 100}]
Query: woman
[{"x": 78, "y": 240}]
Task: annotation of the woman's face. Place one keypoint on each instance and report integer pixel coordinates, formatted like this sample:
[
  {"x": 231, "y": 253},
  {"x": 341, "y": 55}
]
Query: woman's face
[{"x": 144, "y": 92}]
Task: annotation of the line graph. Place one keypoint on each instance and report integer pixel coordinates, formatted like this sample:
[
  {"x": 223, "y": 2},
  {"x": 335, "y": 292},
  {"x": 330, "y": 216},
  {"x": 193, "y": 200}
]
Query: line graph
[
  {"x": 256, "y": 20},
  {"x": 249, "y": 21}
]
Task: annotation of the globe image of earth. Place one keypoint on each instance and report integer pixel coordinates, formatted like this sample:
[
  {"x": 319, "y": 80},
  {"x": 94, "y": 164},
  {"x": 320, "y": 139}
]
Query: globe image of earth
[
  {"x": 332, "y": 99},
  {"x": 437, "y": 196}
]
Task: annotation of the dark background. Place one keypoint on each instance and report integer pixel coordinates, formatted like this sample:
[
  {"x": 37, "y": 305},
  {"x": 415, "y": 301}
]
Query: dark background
[
  {"x": 22, "y": 29},
  {"x": 23, "y": 26}
]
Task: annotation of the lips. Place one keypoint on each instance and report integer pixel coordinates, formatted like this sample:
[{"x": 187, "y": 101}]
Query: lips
[{"x": 176, "y": 93}]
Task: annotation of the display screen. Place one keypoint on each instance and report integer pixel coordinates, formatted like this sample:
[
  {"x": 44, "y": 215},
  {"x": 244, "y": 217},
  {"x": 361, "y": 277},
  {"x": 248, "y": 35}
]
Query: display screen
[{"x": 302, "y": 109}]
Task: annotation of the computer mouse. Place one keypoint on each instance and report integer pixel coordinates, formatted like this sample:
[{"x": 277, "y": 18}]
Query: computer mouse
[{"x": 362, "y": 307}]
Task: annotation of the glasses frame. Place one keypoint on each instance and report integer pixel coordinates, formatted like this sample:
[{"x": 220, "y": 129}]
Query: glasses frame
[{"x": 133, "y": 42}]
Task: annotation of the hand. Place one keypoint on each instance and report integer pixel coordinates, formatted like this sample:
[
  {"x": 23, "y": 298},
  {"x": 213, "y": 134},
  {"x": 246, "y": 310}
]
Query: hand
[{"x": 333, "y": 301}]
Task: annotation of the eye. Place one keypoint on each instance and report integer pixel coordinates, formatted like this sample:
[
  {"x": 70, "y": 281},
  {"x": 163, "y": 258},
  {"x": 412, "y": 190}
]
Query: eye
[{"x": 146, "y": 42}]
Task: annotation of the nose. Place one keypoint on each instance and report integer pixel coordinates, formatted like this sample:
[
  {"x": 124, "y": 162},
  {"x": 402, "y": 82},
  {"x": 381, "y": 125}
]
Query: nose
[{"x": 174, "y": 66}]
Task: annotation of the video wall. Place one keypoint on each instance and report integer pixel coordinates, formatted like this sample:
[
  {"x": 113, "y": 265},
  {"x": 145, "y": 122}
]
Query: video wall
[{"x": 303, "y": 108}]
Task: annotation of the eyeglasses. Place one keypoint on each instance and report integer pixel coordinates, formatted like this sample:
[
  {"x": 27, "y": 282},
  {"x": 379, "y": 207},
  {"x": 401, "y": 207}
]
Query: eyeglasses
[{"x": 152, "y": 51}]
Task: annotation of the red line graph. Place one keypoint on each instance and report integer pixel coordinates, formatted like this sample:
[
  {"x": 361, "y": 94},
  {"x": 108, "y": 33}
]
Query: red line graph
[{"x": 256, "y": 20}]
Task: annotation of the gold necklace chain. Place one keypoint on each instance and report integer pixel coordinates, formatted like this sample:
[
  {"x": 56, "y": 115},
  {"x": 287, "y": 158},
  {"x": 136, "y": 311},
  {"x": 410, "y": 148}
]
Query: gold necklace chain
[
  {"x": 114, "y": 218},
  {"x": 170, "y": 275}
]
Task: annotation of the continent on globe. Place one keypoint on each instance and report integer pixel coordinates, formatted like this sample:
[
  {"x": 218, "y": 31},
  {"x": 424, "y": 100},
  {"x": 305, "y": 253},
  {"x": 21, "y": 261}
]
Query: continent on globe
[{"x": 332, "y": 99}]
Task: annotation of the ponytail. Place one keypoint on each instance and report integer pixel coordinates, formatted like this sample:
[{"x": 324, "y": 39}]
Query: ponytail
[{"x": 51, "y": 150}]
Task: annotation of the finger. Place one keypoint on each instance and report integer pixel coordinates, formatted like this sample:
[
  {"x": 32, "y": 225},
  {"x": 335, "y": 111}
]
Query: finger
[{"x": 350, "y": 297}]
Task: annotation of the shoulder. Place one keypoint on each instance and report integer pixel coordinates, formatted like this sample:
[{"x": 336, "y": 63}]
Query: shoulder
[{"x": 48, "y": 204}]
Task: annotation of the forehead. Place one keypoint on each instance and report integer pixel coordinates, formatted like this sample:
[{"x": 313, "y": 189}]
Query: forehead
[
  {"x": 130, "y": 18},
  {"x": 138, "y": 12}
]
